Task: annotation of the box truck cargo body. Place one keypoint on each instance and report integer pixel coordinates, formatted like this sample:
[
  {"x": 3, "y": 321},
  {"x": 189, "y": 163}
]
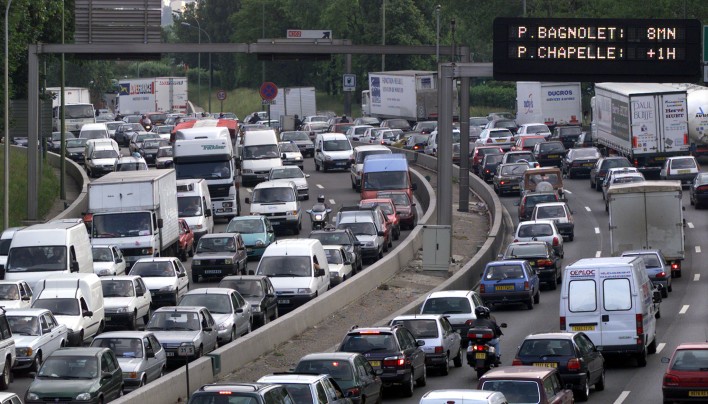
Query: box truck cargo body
[
  {"x": 550, "y": 103},
  {"x": 156, "y": 94},
  {"x": 292, "y": 101}
]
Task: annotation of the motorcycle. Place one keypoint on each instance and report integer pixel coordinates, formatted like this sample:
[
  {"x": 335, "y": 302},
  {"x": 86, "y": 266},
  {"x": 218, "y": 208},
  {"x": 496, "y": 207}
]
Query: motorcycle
[
  {"x": 480, "y": 355},
  {"x": 319, "y": 215}
]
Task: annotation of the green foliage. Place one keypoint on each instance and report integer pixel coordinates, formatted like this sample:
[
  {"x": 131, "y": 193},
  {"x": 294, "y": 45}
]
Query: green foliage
[{"x": 493, "y": 95}]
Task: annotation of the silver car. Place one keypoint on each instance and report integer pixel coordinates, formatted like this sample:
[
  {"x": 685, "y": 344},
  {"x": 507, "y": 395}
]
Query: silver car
[
  {"x": 192, "y": 328},
  {"x": 37, "y": 334},
  {"x": 442, "y": 342},
  {"x": 140, "y": 356},
  {"x": 232, "y": 313}
]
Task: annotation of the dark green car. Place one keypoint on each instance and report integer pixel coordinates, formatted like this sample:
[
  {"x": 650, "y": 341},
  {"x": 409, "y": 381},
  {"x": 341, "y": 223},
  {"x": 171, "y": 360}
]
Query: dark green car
[{"x": 90, "y": 375}]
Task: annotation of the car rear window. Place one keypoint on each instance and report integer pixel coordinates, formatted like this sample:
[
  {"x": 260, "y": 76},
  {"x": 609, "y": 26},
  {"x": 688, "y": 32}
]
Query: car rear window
[
  {"x": 339, "y": 370},
  {"x": 683, "y": 163},
  {"x": 514, "y": 157},
  {"x": 502, "y": 272},
  {"x": 548, "y": 212},
  {"x": 551, "y": 147},
  {"x": 616, "y": 294},
  {"x": 535, "y": 230},
  {"x": 515, "y": 391},
  {"x": 367, "y": 342},
  {"x": 691, "y": 359},
  {"x": 546, "y": 347},
  {"x": 420, "y": 328},
  {"x": 581, "y": 296},
  {"x": 537, "y": 129},
  {"x": 500, "y": 133},
  {"x": 525, "y": 250},
  {"x": 615, "y": 163},
  {"x": 447, "y": 305},
  {"x": 490, "y": 150}
]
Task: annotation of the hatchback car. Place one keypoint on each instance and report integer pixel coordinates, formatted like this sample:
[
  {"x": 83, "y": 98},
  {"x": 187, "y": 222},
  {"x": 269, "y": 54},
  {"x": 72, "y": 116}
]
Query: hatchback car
[
  {"x": 140, "y": 356},
  {"x": 389, "y": 209},
  {"x": 394, "y": 351},
  {"x": 165, "y": 277},
  {"x": 488, "y": 167},
  {"x": 527, "y": 384},
  {"x": 599, "y": 170},
  {"x": 259, "y": 292},
  {"x": 252, "y": 393},
  {"x": 658, "y": 270},
  {"x": 615, "y": 172},
  {"x": 549, "y": 153},
  {"x": 308, "y": 388},
  {"x": 509, "y": 282},
  {"x": 346, "y": 239},
  {"x": 295, "y": 175},
  {"x": 680, "y": 168},
  {"x": 290, "y": 155},
  {"x": 560, "y": 214},
  {"x": 479, "y": 153},
  {"x": 232, "y": 313},
  {"x": 417, "y": 142},
  {"x": 579, "y": 161},
  {"x": 442, "y": 342},
  {"x": 457, "y": 305},
  {"x": 186, "y": 241},
  {"x": 530, "y": 199},
  {"x": 354, "y": 374},
  {"x": 149, "y": 149},
  {"x": 527, "y": 142},
  {"x": 541, "y": 230},
  {"x": 698, "y": 192},
  {"x": 500, "y": 137},
  {"x": 685, "y": 377},
  {"x": 520, "y": 156},
  {"x": 340, "y": 267},
  {"x": 538, "y": 129},
  {"x": 509, "y": 178},
  {"x": 34, "y": 343},
  {"x": 540, "y": 256},
  {"x": 126, "y": 299},
  {"x": 77, "y": 375},
  {"x": 256, "y": 231},
  {"x": 184, "y": 325},
  {"x": 405, "y": 207},
  {"x": 219, "y": 255},
  {"x": 463, "y": 396},
  {"x": 107, "y": 260},
  {"x": 301, "y": 139}
]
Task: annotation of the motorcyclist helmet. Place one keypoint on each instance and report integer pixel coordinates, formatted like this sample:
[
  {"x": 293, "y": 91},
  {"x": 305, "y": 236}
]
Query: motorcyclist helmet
[
  {"x": 320, "y": 199},
  {"x": 481, "y": 312}
]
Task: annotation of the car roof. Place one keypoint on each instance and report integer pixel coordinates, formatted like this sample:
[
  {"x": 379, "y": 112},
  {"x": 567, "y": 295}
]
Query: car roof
[
  {"x": 341, "y": 356},
  {"x": 191, "y": 309},
  {"x": 123, "y": 334},
  {"x": 25, "y": 312},
  {"x": 450, "y": 395},
  {"x": 545, "y": 204},
  {"x": 552, "y": 335},
  {"x": 505, "y": 262},
  {"x": 120, "y": 278},
  {"x": 538, "y": 221},
  {"x": 693, "y": 345},
  {"x": 209, "y": 291},
  {"x": 450, "y": 293},
  {"x": 243, "y": 277},
  {"x": 291, "y": 378},
  {"x": 79, "y": 351},
  {"x": 373, "y": 330},
  {"x": 218, "y": 235},
  {"x": 418, "y": 317},
  {"x": 640, "y": 252},
  {"x": 156, "y": 259},
  {"x": 237, "y": 387},
  {"x": 518, "y": 372}
]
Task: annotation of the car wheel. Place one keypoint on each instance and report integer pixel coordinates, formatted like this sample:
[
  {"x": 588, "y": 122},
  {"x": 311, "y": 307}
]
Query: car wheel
[
  {"x": 664, "y": 293},
  {"x": 195, "y": 278},
  {"x": 423, "y": 380},
  {"x": 457, "y": 360},
  {"x": 191, "y": 250},
  {"x": 553, "y": 285},
  {"x": 571, "y": 236},
  {"x": 600, "y": 384},
  {"x": 583, "y": 394},
  {"x": 37, "y": 363},
  {"x": 537, "y": 297},
  {"x": 233, "y": 334},
  {"x": 651, "y": 349},
  {"x": 146, "y": 317},
  {"x": 142, "y": 382},
  {"x": 671, "y": 288},
  {"x": 133, "y": 321},
  {"x": 407, "y": 389},
  {"x": 380, "y": 254},
  {"x": 5, "y": 379},
  {"x": 642, "y": 358},
  {"x": 529, "y": 303},
  {"x": 445, "y": 368}
]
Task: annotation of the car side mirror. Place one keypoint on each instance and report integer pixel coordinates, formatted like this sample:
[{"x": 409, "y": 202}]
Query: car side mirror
[
  {"x": 420, "y": 342},
  {"x": 270, "y": 295},
  {"x": 87, "y": 313},
  {"x": 500, "y": 256},
  {"x": 182, "y": 275},
  {"x": 318, "y": 150},
  {"x": 414, "y": 186},
  {"x": 207, "y": 213},
  {"x": 160, "y": 223},
  {"x": 283, "y": 156},
  {"x": 207, "y": 329},
  {"x": 75, "y": 266},
  {"x": 381, "y": 233},
  {"x": 150, "y": 353},
  {"x": 248, "y": 201},
  {"x": 239, "y": 310},
  {"x": 320, "y": 272},
  {"x": 307, "y": 175},
  {"x": 25, "y": 298},
  {"x": 106, "y": 375},
  {"x": 516, "y": 203}
]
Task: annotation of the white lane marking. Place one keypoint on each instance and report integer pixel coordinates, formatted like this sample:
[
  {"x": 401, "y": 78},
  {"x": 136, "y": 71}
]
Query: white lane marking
[
  {"x": 698, "y": 249},
  {"x": 588, "y": 209},
  {"x": 684, "y": 309},
  {"x": 319, "y": 186},
  {"x": 331, "y": 202},
  {"x": 597, "y": 230},
  {"x": 598, "y": 254},
  {"x": 567, "y": 192},
  {"x": 623, "y": 396},
  {"x": 249, "y": 190},
  {"x": 690, "y": 225},
  {"x": 660, "y": 347},
  {"x": 696, "y": 277}
]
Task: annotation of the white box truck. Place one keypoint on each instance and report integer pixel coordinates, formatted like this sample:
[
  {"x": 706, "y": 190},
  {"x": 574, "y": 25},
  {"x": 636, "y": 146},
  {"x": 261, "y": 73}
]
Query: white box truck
[
  {"x": 550, "y": 103},
  {"x": 72, "y": 95},
  {"x": 645, "y": 122},
  {"x": 648, "y": 215},
  {"x": 406, "y": 94},
  {"x": 292, "y": 101},
  {"x": 77, "y": 106},
  {"x": 156, "y": 94},
  {"x": 136, "y": 211},
  {"x": 697, "y": 99}
]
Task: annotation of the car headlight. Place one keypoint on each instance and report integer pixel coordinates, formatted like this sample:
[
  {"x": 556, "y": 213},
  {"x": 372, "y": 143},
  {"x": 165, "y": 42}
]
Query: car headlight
[
  {"x": 328, "y": 158},
  {"x": 247, "y": 171},
  {"x": 83, "y": 397},
  {"x": 197, "y": 227},
  {"x": 168, "y": 288},
  {"x": 121, "y": 310},
  {"x": 259, "y": 243},
  {"x": 32, "y": 397},
  {"x": 130, "y": 375},
  {"x": 294, "y": 212},
  {"x": 228, "y": 261},
  {"x": 256, "y": 308},
  {"x": 304, "y": 291},
  {"x": 24, "y": 351},
  {"x": 369, "y": 244},
  {"x": 298, "y": 158},
  {"x": 224, "y": 326},
  {"x": 196, "y": 263}
]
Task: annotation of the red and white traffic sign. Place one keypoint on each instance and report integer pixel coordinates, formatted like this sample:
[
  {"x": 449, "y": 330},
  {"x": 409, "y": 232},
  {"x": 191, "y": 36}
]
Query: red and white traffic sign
[
  {"x": 268, "y": 91},
  {"x": 221, "y": 95}
]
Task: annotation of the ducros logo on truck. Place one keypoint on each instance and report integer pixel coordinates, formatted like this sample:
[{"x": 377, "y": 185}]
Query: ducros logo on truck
[{"x": 212, "y": 147}]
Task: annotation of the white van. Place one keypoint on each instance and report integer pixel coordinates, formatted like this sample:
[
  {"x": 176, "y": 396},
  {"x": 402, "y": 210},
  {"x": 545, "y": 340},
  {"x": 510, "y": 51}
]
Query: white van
[
  {"x": 259, "y": 154},
  {"x": 278, "y": 201},
  {"x": 194, "y": 206},
  {"x": 100, "y": 156},
  {"x": 55, "y": 247},
  {"x": 360, "y": 153},
  {"x": 611, "y": 300},
  {"x": 94, "y": 131},
  {"x": 5, "y": 241},
  {"x": 333, "y": 151},
  {"x": 76, "y": 300},
  {"x": 463, "y": 396},
  {"x": 290, "y": 265}
]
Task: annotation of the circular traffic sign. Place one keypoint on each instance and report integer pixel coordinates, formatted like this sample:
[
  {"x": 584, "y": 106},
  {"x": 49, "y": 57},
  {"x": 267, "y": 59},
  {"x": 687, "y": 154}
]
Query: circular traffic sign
[
  {"x": 221, "y": 95},
  {"x": 268, "y": 91}
]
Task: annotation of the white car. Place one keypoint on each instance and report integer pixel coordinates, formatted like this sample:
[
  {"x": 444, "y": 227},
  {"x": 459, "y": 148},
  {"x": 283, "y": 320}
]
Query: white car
[
  {"x": 442, "y": 342},
  {"x": 559, "y": 213},
  {"x": 290, "y": 154},
  {"x": 107, "y": 260},
  {"x": 387, "y": 136},
  {"x": 355, "y": 132},
  {"x": 37, "y": 334},
  {"x": 457, "y": 305},
  {"x": 294, "y": 174},
  {"x": 501, "y": 137},
  {"x": 5, "y": 241},
  {"x": 540, "y": 230},
  {"x": 370, "y": 134},
  {"x": 163, "y": 158},
  {"x": 232, "y": 313},
  {"x": 309, "y": 388},
  {"x": 340, "y": 268},
  {"x": 165, "y": 277},
  {"x": 680, "y": 168},
  {"x": 15, "y": 295},
  {"x": 126, "y": 299},
  {"x": 539, "y": 129}
]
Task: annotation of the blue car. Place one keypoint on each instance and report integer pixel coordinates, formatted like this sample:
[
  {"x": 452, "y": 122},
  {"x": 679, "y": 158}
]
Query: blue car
[
  {"x": 509, "y": 282},
  {"x": 256, "y": 231}
]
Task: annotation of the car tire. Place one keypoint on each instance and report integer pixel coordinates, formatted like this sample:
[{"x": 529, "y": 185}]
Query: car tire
[
  {"x": 191, "y": 251},
  {"x": 5, "y": 379},
  {"x": 457, "y": 360},
  {"x": 582, "y": 395},
  {"x": 37, "y": 363},
  {"x": 670, "y": 288},
  {"x": 651, "y": 348},
  {"x": 146, "y": 317},
  {"x": 407, "y": 388},
  {"x": 380, "y": 254},
  {"x": 664, "y": 293},
  {"x": 642, "y": 358},
  {"x": 445, "y": 368},
  {"x": 423, "y": 380},
  {"x": 600, "y": 384},
  {"x": 317, "y": 168},
  {"x": 133, "y": 321},
  {"x": 529, "y": 304},
  {"x": 195, "y": 278},
  {"x": 553, "y": 285},
  {"x": 537, "y": 297}
]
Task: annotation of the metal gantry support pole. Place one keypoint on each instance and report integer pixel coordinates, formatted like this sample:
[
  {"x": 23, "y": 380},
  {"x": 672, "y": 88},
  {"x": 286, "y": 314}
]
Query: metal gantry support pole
[
  {"x": 464, "y": 136},
  {"x": 33, "y": 132},
  {"x": 348, "y": 94},
  {"x": 445, "y": 97},
  {"x": 62, "y": 121},
  {"x": 6, "y": 199}
]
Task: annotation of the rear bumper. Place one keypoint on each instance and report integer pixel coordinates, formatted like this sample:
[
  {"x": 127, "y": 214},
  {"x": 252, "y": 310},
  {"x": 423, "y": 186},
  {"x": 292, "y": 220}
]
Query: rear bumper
[
  {"x": 507, "y": 297},
  {"x": 700, "y": 394}
]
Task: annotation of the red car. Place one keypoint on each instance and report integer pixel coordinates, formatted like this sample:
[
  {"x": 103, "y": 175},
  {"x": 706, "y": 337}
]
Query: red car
[
  {"x": 527, "y": 142},
  {"x": 407, "y": 213},
  {"x": 685, "y": 378},
  {"x": 479, "y": 153},
  {"x": 186, "y": 240},
  {"x": 389, "y": 209}
]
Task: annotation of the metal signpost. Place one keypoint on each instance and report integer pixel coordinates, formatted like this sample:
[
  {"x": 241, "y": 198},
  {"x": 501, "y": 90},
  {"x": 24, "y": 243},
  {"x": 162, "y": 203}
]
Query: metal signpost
[
  {"x": 349, "y": 82},
  {"x": 221, "y": 96},
  {"x": 268, "y": 93},
  {"x": 186, "y": 350}
]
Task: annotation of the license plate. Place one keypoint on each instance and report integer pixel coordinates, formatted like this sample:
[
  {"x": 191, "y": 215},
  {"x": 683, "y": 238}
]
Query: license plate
[
  {"x": 212, "y": 271},
  {"x": 552, "y": 156},
  {"x": 480, "y": 355},
  {"x": 249, "y": 249},
  {"x": 660, "y": 158},
  {"x": 283, "y": 301},
  {"x": 375, "y": 364},
  {"x": 108, "y": 319},
  {"x": 698, "y": 393},
  {"x": 169, "y": 353},
  {"x": 588, "y": 165},
  {"x": 546, "y": 364},
  {"x": 504, "y": 287},
  {"x": 583, "y": 328},
  {"x": 684, "y": 171},
  {"x": 500, "y": 140},
  {"x": 515, "y": 187}
]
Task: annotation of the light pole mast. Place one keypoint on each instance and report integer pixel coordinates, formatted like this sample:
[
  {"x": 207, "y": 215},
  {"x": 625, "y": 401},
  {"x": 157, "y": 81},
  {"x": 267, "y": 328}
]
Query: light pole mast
[
  {"x": 6, "y": 199},
  {"x": 437, "y": 34}
]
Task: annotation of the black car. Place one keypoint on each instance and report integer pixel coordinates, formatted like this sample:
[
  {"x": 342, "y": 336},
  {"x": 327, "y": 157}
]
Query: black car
[
  {"x": 257, "y": 290},
  {"x": 54, "y": 142},
  {"x": 549, "y": 153},
  {"x": 416, "y": 142},
  {"x": 584, "y": 140},
  {"x": 698, "y": 192},
  {"x": 394, "y": 351},
  {"x": 541, "y": 256},
  {"x": 579, "y": 161},
  {"x": 219, "y": 255},
  {"x": 301, "y": 139},
  {"x": 251, "y": 393},
  {"x": 75, "y": 150},
  {"x": 149, "y": 149},
  {"x": 567, "y": 135},
  {"x": 489, "y": 165},
  {"x": 531, "y": 199},
  {"x": 125, "y": 132},
  {"x": 599, "y": 170},
  {"x": 396, "y": 123},
  {"x": 573, "y": 354},
  {"x": 345, "y": 238},
  {"x": 509, "y": 178}
]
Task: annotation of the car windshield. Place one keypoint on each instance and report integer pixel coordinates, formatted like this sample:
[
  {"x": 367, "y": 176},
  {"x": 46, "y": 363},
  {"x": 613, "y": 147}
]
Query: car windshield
[
  {"x": 246, "y": 287},
  {"x": 117, "y": 288},
  {"x": 289, "y": 172},
  {"x": 547, "y": 347},
  {"x": 23, "y": 325},
  {"x": 245, "y": 226},
  {"x": 288, "y": 136},
  {"x": 118, "y": 224},
  {"x": 73, "y": 143},
  {"x": 360, "y": 228},
  {"x": 398, "y": 124},
  {"x": 174, "y": 320},
  {"x": 615, "y": 163},
  {"x": 570, "y": 130},
  {"x": 288, "y": 148},
  {"x": 164, "y": 152},
  {"x": 216, "y": 303},
  {"x": 501, "y": 272},
  {"x": 285, "y": 266},
  {"x": 702, "y": 178},
  {"x": 417, "y": 139},
  {"x": 151, "y": 144},
  {"x": 122, "y": 347},
  {"x": 500, "y": 133},
  {"x": 334, "y": 256},
  {"x": 153, "y": 269},
  {"x": 531, "y": 141},
  {"x": 69, "y": 367},
  {"x": 265, "y": 151},
  {"x": 650, "y": 260},
  {"x": 420, "y": 328},
  {"x": 691, "y": 359},
  {"x": 360, "y": 156},
  {"x": 93, "y": 134},
  {"x": 492, "y": 159},
  {"x": 207, "y": 170},
  {"x": 104, "y": 154},
  {"x": 551, "y": 178},
  {"x": 102, "y": 254},
  {"x": 58, "y": 306},
  {"x": 516, "y": 169},
  {"x": 515, "y": 391},
  {"x": 514, "y": 157},
  {"x": 144, "y": 136},
  {"x": 273, "y": 195},
  {"x": 365, "y": 343},
  {"x": 586, "y": 153},
  {"x": 131, "y": 167},
  {"x": 332, "y": 238},
  {"x": 483, "y": 151},
  {"x": 383, "y": 180},
  {"x": 535, "y": 230},
  {"x": 216, "y": 244},
  {"x": 549, "y": 212},
  {"x": 9, "y": 291},
  {"x": 505, "y": 124},
  {"x": 446, "y": 305},
  {"x": 525, "y": 250},
  {"x": 37, "y": 259},
  {"x": 189, "y": 206},
  {"x": 537, "y": 129},
  {"x": 339, "y": 370},
  {"x": 551, "y": 147},
  {"x": 398, "y": 198},
  {"x": 386, "y": 207},
  {"x": 336, "y": 145}
]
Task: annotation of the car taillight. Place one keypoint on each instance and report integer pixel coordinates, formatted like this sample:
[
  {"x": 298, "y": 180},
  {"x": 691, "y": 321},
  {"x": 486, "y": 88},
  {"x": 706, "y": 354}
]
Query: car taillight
[
  {"x": 474, "y": 333},
  {"x": 479, "y": 348},
  {"x": 516, "y": 240},
  {"x": 489, "y": 140},
  {"x": 522, "y": 209},
  {"x": 394, "y": 361},
  {"x": 486, "y": 171},
  {"x": 353, "y": 392},
  {"x": 517, "y": 362},
  {"x": 544, "y": 263},
  {"x": 562, "y": 323},
  {"x": 574, "y": 364},
  {"x": 702, "y": 188},
  {"x": 636, "y": 162},
  {"x": 416, "y": 147},
  {"x": 481, "y": 289},
  {"x": 469, "y": 322},
  {"x": 671, "y": 380},
  {"x": 526, "y": 286},
  {"x": 438, "y": 349},
  {"x": 555, "y": 241},
  {"x": 502, "y": 182},
  {"x": 640, "y": 324},
  {"x": 675, "y": 266},
  {"x": 661, "y": 274}
]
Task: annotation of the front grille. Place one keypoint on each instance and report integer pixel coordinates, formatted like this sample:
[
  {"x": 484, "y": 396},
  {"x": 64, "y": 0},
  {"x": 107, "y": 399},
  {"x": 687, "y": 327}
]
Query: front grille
[
  {"x": 56, "y": 399},
  {"x": 132, "y": 252},
  {"x": 219, "y": 191},
  {"x": 275, "y": 214}
]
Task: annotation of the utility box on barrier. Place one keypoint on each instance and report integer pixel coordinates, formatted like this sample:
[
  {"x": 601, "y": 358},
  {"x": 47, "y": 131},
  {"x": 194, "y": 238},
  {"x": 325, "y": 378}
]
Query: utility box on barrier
[
  {"x": 215, "y": 363},
  {"x": 437, "y": 247}
]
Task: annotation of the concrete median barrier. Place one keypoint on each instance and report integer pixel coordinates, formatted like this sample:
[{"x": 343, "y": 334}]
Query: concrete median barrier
[{"x": 77, "y": 174}]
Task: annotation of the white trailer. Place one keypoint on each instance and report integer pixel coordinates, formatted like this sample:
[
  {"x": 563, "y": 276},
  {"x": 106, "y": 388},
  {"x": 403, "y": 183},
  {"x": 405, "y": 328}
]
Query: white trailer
[
  {"x": 155, "y": 94},
  {"x": 72, "y": 95},
  {"x": 550, "y": 103},
  {"x": 697, "y": 99},
  {"x": 136, "y": 211},
  {"x": 293, "y": 101},
  {"x": 647, "y": 215}
]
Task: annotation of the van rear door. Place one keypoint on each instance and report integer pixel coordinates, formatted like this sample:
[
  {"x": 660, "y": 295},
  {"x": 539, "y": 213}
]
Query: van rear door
[
  {"x": 617, "y": 304},
  {"x": 582, "y": 303}
]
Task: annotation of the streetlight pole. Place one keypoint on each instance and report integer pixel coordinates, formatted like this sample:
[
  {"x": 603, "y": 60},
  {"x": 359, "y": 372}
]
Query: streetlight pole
[
  {"x": 437, "y": 34},
  {"x": 62, "y": 120},
  {"x": 186, "y": 24},
  {"x": 383, "y": 35},
  {"x": 6, "y": 210}
]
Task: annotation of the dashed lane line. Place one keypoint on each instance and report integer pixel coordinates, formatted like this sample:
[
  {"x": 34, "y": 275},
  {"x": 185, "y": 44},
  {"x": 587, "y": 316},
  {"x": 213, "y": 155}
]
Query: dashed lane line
[
  {"x": 588, "y": 209},
  {"x": 684, "y": 309},
  {"x": 659, "y": 347},
  {"x": 249, "y": 190},
  {"x": 623, "y": 396},
  {"x": 567, "y": 192},
  {"x": 696, "y": 277},
  {"x": 319, "y": 186},
  {"x": 331, "y": 202},
  {"x": 598, "y": 254},
  {"x": 597, "y": 230},
  {"x": 690, "y": 225},
  {"x": 698, "y": 249}
]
